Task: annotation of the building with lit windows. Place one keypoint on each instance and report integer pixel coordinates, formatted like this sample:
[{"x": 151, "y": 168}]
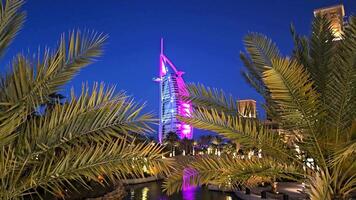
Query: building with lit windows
[
  {"x": 247, "y": 108},
  {"x": 172, "y": 88},
  {"x": 336, "y": 16}
]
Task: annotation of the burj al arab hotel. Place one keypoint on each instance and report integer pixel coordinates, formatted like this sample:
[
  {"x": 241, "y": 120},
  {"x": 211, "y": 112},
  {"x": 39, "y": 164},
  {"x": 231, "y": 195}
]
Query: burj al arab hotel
[{"x": 172, "y": 88}]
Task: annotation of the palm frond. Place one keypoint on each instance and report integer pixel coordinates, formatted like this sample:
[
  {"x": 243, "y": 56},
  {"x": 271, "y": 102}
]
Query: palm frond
[
  {"x": 292, "y": 88},
  {"x": 250, "y": 133},
  {"x": 114, "y": 159},
  {"x": 228, "y": 172},
  {"x": 321, "y": 52},
  {"x": 299, "y": 107},
  {"x": 261, "y": 51},
  {"x": 344, "y": 154},
  {"x": 301, "y": 49},
  {"x": 24, "y": 89},
  {"x": 341, "y": 86},
  {"x": 319, "y": 187},
  {"x": 99, "y": 115},
  {"x": 11, "y": 170},
  {"x": 11, "y": 21},
  {"x": 253, "y": 76},
  {"x": 202, "y": 96}
]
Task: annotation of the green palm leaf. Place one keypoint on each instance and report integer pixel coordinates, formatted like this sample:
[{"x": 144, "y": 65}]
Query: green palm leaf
[
  {"x": 292, "y": 89},
  {"x": 24, "y": 89},
  {"x": 341, "y": 86},
  {"x": 228, "y": 172},
  {"x": 261, "y": 50},
  {"x": 11, "y": 21},
  {"x": 116, "y": 159},
  {"x": 247, "y": 132},
  {"x": 96, "y": 116},
  {"x": 72, "y": 142},
  {"x": 206, "y": 97}
]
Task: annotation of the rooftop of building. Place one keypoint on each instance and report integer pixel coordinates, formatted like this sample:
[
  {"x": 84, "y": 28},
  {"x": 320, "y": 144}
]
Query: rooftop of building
[{"x": 334, "y": 8}]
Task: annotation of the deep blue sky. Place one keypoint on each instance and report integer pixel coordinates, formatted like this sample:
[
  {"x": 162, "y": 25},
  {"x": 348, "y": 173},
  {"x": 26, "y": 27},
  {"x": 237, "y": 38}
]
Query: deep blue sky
[{"x": 202, "y": 37}]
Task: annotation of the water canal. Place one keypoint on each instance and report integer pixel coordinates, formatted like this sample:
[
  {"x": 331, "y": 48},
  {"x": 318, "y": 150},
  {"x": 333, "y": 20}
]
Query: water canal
[{"x": 153, "y": 191}]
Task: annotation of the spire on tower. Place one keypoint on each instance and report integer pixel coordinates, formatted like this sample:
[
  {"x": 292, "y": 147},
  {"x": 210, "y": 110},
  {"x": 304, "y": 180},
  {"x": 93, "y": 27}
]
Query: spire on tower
[{"x": 161, "y": 46}]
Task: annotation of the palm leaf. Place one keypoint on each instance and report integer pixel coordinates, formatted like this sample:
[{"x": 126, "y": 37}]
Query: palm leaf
[
  {"x": 24, "y": 89},
  {"x": 11, "y": 21},
  {"x": 116, "y": 159},
  {"x": 261, "y": 51},
  {"x": 202, "y": 96},
  {"x": 292, "y": 89},
  {"x": 322, "y": 51},
  {"x": 341, "y": 86},
  {"x": 319, "y": 187},
  {"x": 227, "y": 172},
  {"x": 247, "y": 132},
  {"x": 97, "y": 116}
]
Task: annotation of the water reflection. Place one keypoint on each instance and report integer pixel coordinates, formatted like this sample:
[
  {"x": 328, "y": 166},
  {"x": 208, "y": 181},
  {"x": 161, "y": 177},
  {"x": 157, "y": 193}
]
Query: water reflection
[
  {"x": 228, "y": 198},
  {"x": 132, "y": 193},
  {"x": 153, "y": 191},
  {"x": 189, "y": 193},
  {"x": 188, "y": 190},
  {"x": 144, "y": 193}
]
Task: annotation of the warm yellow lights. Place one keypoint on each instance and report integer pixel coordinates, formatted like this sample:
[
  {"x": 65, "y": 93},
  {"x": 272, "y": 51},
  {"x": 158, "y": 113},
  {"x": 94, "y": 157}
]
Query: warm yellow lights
[{"x": 336, "y": 15}]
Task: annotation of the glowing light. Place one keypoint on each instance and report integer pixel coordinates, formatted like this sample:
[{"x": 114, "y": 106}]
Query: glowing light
[
  {"x": 186, "y": 126},
  {"x": 145, "y": 193},
  {"x": 163, "y": 68},
  {"x": 132, "y": 193},
  {"x": 188, "y": 174},
  {"x": 186, "y": 105},
  {"x": 100, "y": 178}
]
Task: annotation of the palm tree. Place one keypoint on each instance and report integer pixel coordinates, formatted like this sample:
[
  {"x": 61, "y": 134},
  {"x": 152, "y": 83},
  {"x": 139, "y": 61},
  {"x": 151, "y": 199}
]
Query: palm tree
[
  {"x": 171, "y": 140},
  {"x": 312, "y": 96},
  {"x": 186, "y": 145},
  {"x": 205, "y": 141},
  {"x": 229, "y": 148},
  {"x": 85, "y": 138},
  {"x": 217, "y": 142}
]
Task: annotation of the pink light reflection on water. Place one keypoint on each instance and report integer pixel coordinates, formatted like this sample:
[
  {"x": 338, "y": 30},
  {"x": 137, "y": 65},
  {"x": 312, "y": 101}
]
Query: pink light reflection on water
[
  {"x": 188, "y": 190},
  {"x": 189, "y": 194}
]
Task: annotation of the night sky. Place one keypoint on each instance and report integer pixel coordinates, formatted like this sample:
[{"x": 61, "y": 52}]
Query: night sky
[{"x": 202, "y": 37}]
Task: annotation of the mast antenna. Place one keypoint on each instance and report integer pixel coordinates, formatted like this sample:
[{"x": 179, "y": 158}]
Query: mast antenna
[{"x": 161, "y": 46}]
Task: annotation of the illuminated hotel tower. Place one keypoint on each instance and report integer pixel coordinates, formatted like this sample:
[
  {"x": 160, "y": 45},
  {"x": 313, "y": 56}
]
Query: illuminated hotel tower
[
  {"x": 336, "y": 16},
  {"x": 172, "y": 88}
]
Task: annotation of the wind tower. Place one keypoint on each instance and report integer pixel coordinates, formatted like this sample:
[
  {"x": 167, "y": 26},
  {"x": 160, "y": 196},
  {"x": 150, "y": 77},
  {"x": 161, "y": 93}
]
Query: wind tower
[
  {"x": 172, "y": 88},
  {"x": 336, "y": 16}
]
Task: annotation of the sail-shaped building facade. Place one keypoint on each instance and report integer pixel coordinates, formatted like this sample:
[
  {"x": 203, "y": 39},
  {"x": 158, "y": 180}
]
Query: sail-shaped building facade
[{"x": 172, "y": 89}]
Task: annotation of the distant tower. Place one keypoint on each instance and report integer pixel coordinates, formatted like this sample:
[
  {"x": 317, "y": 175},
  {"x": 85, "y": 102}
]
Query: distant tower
[
  {"x": 336, "y": 16},
  {"x": 247, "y": 108},
  {"x": 172, "y": 88}
]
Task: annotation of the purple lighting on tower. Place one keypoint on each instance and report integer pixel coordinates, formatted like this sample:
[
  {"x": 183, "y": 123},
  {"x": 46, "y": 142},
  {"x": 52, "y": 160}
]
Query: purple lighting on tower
[{"x": 172, "y": 88}]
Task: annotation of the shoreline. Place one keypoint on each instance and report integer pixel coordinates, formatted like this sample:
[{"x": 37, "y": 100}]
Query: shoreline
[{"x": 141, "y": 180}]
